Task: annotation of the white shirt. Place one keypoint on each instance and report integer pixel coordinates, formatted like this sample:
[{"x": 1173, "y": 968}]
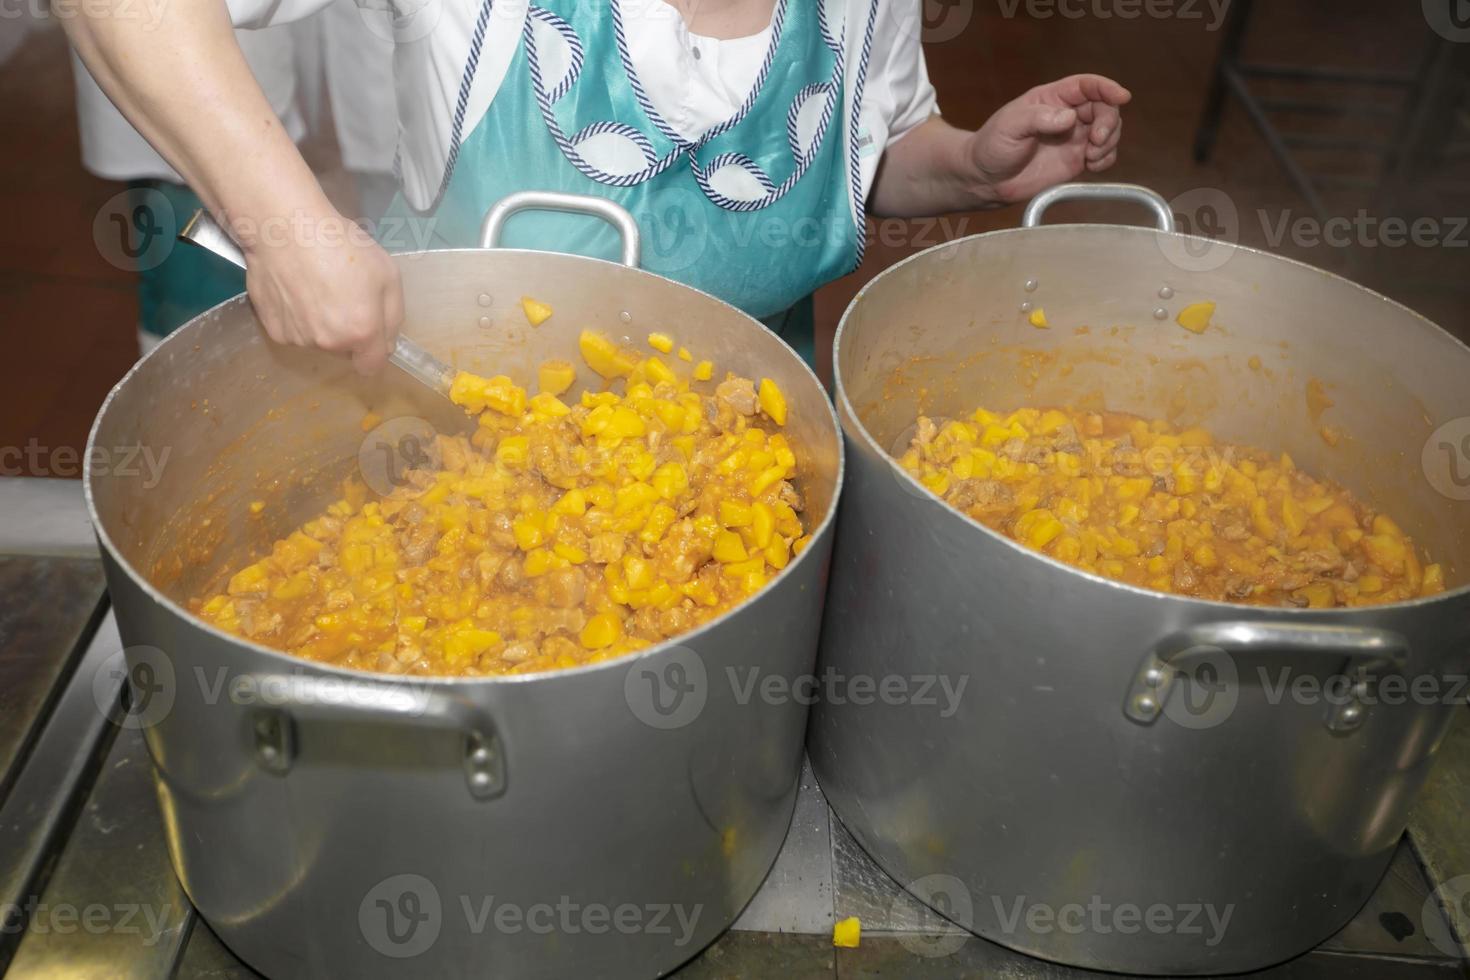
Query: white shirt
[
  {"x": 337, "y": 58},
  {"x": 435, "y": 39},
  {"x": 113, "y": 149}
]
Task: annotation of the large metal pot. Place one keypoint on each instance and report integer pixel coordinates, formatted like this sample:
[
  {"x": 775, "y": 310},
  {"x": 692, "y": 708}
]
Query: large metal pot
[
  {"x": 1115, "y": 750},
  {"x": 603, "y": 821}
]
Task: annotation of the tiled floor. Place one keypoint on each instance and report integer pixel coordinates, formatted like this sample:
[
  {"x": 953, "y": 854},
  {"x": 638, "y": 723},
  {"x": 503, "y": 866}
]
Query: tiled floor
[{"x": 67, "y": 315}]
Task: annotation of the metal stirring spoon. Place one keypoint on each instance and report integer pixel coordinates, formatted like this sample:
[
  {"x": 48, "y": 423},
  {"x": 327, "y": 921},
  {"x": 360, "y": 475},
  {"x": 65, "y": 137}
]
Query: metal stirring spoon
[{"x": 409, "y": 357}]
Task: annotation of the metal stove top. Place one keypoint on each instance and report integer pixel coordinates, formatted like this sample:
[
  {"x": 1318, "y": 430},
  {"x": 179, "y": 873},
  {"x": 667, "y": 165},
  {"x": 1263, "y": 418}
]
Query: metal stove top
[{"x": 86, "y": 889}]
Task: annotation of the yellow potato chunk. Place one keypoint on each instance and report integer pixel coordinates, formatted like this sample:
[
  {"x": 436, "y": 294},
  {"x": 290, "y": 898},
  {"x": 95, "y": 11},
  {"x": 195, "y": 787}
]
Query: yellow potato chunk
[
  {"x": 536, "y": 312},
  {"x": 1196, "y": 317},
  {"x": 772, "y": 401},
  {"x": 555, "y": 377},
  {"x": 661, "y": 342},
  {"x": 605, "y": 357},
  {"x": 847, "y": 933}
]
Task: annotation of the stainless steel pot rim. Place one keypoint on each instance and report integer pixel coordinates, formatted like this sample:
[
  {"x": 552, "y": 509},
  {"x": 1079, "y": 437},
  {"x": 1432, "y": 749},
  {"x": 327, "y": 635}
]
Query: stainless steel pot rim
[
  {"x": 1231, "y": 608},
  {"x": 625, "y": 662}
]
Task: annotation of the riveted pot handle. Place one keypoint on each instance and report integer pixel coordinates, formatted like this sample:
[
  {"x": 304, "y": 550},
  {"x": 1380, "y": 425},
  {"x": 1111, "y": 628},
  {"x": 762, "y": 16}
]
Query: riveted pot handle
[
  {"x": 278, "y": 703},
  {"x": 1363, "y": 649},
  {"x": 614, "y": 214},
  {"x": 1036, "y": 210}
]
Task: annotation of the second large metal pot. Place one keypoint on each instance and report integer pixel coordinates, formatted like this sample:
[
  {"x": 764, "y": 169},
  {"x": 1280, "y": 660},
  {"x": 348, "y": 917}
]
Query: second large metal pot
[
  {"x": 604, "y": 821},
  {"x": 1121, "y": 781}
]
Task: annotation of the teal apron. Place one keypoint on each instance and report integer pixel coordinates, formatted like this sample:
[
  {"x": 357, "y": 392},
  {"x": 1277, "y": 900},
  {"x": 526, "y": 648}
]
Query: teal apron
[{"x": 756, "y": 211}]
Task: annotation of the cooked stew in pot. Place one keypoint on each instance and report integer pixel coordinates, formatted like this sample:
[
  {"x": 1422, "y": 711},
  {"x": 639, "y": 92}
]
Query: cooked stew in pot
[
  {"x": 560, "y": 533},
  {"x": 1169, "y": 509}
]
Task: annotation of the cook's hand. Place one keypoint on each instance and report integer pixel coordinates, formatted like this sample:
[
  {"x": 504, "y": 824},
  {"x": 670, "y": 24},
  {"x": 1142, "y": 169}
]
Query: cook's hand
[
  {"x": 324, "y": 282},
  {"x": 1050, "y": 135}
]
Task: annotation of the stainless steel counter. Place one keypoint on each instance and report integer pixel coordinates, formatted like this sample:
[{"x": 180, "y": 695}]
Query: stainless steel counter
[{"x": 86, "y": 889}]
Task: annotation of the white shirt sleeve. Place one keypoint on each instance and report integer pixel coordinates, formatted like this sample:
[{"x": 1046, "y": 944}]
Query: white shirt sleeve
[{"x": 898, "y": 95}]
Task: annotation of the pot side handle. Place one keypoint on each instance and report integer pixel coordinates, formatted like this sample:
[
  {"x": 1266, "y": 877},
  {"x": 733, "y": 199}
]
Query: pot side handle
[
  {"x": 598, "y": 207},
  {"x": 1036, "y": 210},
  {"x": 1361, "y": 649},
  {"x": 286, "y": 701}
]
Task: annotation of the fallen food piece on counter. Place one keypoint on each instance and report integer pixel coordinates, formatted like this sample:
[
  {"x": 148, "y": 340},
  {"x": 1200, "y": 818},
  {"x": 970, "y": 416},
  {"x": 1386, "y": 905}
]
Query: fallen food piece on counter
[
  {"x": 560, "y": 533},
  {"x": 1169, "y": 509},
  {"x": 847, "y": 933}
]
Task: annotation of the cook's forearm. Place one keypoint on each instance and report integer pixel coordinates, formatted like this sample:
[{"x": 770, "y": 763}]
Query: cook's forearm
[
  {"x": 183, "y": 83},
  {"x": 931, "y": 170}
]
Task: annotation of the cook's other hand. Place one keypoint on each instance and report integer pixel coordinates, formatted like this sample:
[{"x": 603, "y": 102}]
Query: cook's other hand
[
  {"x": 323, "y": 282},
  {"x": 1052, "y": 134},
  {"x": 179, "y": 77}
]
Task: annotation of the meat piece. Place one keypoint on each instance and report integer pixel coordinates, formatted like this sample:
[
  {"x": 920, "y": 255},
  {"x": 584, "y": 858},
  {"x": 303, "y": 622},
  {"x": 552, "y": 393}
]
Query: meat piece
[
  {"x": 558, "y": 647},
  {"x": 510, "y": 575},
  {"x": 500, "y": 531},
  {"x": 1024, "y": 452},
  {"x": 1323, "y": 562},
  {"x": 925, "y": 431},
  {"x": 566, "y": 588},
  {"x": 1067, "y": 440},
  {"x": 517, "y": 653},
  {"x": 1234, "y": 531},
  {"x": 324, "y": 528},
  {"x": 676, "y": 620},
  {"x": 487, "y": 567},
  {"x": 607, "y": 547},
  {"x": 738, "y": 394},
  {"x": 646, "y": 623},
  {"x": 417, "y": 543},
  {"x": 683, "y": 550},
  {"x": 977, "y": 494},
  {"x": 791, "y": 497},
  {"x": 408, "y": 651},
  {"x": 1185, "y": 579},
  {"x": 561, "y": 621}
]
